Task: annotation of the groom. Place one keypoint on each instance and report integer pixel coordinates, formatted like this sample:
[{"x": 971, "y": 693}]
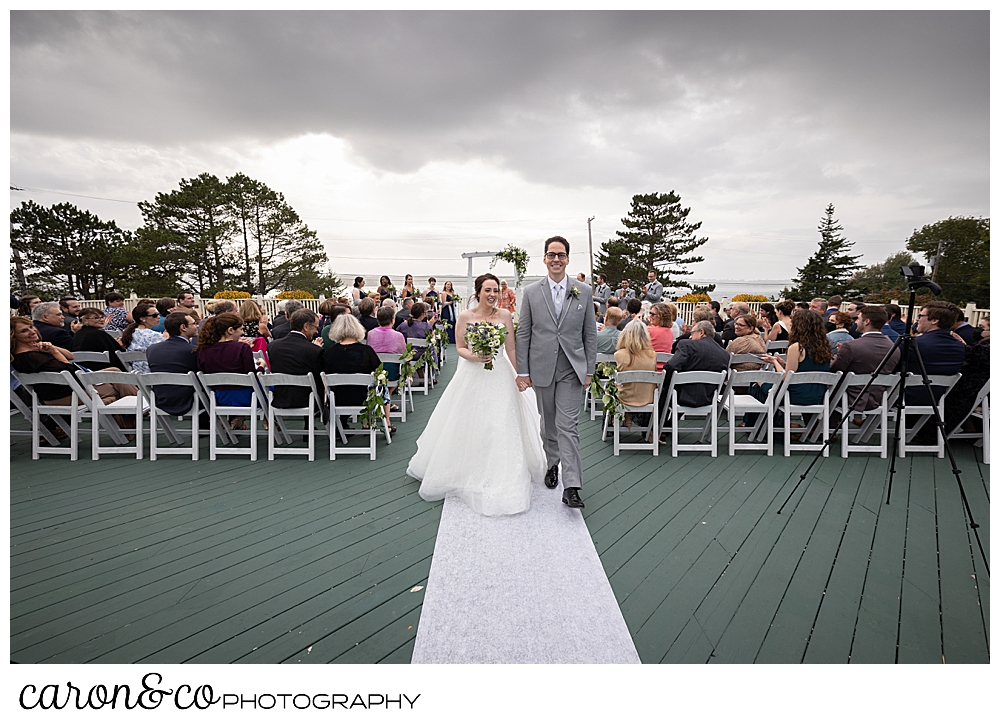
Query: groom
[{"x": 556, "y": 354}]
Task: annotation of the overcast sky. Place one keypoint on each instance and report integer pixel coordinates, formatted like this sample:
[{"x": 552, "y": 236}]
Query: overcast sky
[{"x": 418, "y": 136}]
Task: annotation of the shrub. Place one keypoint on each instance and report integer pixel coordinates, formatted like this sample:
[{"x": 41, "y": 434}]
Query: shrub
[
  {"x": 294, "y": 294},
  {"x": 231, "y": 294},
  {"x": 749, "y": 298},
  {"x": 701, "y": 297}
]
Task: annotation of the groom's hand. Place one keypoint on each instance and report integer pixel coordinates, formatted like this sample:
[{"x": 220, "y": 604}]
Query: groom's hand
[
  {"x": 586, "y": 382},
  {"x": 523, "y": 383}
]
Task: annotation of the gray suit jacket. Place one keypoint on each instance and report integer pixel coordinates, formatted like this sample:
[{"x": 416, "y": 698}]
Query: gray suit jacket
[
  {"x": 862, "y": 356},
  {"x": 601, "y": 294},
  {"x": 540, "y": 335},
  {"x": 653, "y": 293}
]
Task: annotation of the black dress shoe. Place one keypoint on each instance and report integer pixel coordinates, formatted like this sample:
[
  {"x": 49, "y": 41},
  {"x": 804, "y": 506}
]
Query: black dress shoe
[
  {"x": 552, "y": 477},
  {"x": 571, "y": 497}
]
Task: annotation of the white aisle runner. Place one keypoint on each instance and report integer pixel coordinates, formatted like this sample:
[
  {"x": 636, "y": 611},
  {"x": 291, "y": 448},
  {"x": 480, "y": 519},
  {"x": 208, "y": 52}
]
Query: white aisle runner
[{"x": 520, "y": 589}]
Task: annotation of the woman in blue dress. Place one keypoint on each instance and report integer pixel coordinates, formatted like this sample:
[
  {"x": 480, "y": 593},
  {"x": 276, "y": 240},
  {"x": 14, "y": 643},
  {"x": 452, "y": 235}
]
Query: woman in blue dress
[{"x": 448, "y": 313}]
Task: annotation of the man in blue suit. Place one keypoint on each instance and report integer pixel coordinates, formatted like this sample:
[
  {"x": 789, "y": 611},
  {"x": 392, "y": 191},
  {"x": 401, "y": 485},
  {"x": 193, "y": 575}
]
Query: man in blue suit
[
  {"x": 174, "y": 354},
  {"x": 941, "y": 352}
]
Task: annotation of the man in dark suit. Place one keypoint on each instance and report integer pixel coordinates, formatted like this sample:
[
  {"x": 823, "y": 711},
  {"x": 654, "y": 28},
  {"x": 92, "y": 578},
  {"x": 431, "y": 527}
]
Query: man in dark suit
[
  {"x": 697, "y": 353},
  {"x": 174, "y": 354},
  {"x": 895, "y": 326},
  {"x": 701, "y": 315},
  {"x": 48, "y": 319},
  {"x": 281, "y": 325},
  {"x": 965, "y": 330},
  {"x": 942, "y": 354},
  {"x": 403, "y": 314},
  {"x": 632, "y": 309},
  {"x": 295, "y": 354},
  {"x": 863, "y": 355}
]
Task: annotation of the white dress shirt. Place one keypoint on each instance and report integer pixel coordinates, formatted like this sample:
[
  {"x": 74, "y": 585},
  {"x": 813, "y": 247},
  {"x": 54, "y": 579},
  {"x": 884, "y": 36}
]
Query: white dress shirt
[{"x": 558, "y": 290}]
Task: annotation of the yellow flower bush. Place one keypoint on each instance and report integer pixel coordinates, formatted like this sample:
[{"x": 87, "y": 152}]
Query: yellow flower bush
[
  {"x": 231, "y": 294},
  {"x": 294, "y": 294}
]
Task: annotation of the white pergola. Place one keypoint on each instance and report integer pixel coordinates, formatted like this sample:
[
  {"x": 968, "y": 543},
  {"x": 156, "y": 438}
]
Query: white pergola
[{"x": 470, "y": 255}]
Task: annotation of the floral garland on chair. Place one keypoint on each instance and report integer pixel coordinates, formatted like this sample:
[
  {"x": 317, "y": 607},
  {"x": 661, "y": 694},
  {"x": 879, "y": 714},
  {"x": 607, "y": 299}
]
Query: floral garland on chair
[
  {"x": 603, "y": 387},
  {"x": 407, "y": 367},
  {"x": 374, "y": 410}
]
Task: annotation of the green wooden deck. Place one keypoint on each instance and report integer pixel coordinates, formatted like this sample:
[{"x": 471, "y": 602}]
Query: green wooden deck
[{"x": 124, "y": 561}]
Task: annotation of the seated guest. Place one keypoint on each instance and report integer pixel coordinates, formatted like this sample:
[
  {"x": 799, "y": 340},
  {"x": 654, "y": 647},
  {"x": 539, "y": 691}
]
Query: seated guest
[
  {"x": 404, "y": 313},
  {"x": 660, "y": 333},
  {"x": 280, "y": 327},
  {"x": 295, "y": 354},
  {"x": 175, "y": 354},
  {"x": 186, "y": 303},
  {"x": 736, "y": 310},
  {"x": 335, "y": 311},
  {"x": 255, "y": 321},
  {"x": 964, "y": 330},
  {"x": 92, "y": 338},
  {"x": 767, "y": 317},
  {"x": 975, "y": 373},
  {"x": 783, "y": 314},
  {"x": 895, "y": 326},
  {"x": 607, "y": 336},
  {"x": 386, "y": 340},
  {"x": 366, "y": 314},
  {"x": 676, "y": 321},
  {"x": 806, "y": 305},
  {"x": 415, "y": 326},
  {"x": 139, "y": 336},
  {"x": 719, "y": 322},
  {"x": 220, "y": 350},
  {"x": 30, "y": 354},
  {"x": 26, "y": 304},
  {"x": 118, "y": 317},
  {"x": 350, "y": 355},
  {"x": 635, "y": 353},
  {"x": 698, "y": 352},
  {"x": 854, "y": 311},
  {"x": 818, "y": 305},
  {"x": 70, "y": 307},
  {"x": 863, "y": 355},
  {"x": 808, "y": 351},
  {"x": 942, "y": 354},
  {"x": 613, "y": 302},
  {"x": 748, "y": 341},
  {"x": 700, "y": 315},
  {"x": 832, "y": 305},
  {"x": 164, "y": 305},
  {"x": 841, "y": 322},
  {"x": 48, "y": 318},
  {"x": 632, "y": 310}
]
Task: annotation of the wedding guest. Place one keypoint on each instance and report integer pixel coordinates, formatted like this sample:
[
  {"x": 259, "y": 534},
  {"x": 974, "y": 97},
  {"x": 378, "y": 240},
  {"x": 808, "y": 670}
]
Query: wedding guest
[
  {"x": 736, "y": 309},
  {"x": 366, "y": 314},
  {"x": 635, "y": 353},
  {"x": 335, "y": 311},
  {"x": 295, "y": 354},
  {"x": 719, "y": 322},
  {"x": 675, "y": 320},
  {"x": 783, "y": 312},
  {"x": 767, "y": 317},
  {"x": 139, "y": 336},
  {"x": 220, "y": 350},
  {"x": 863, "y": 356},
  {"x": 416, "y": 326},
  {"x": 975, "y": 374},
  {"x": 808, "y": 351},
  {"x": 632, "y": 310},
  {"x": 70, "y": 307},
  {"x": 508, "y": 298},
  {"x": 607, "y": 336},
  {"x": 48, "y": 318},
  {"x": 404, "y": 313},
  {"x": 176, "y": 355},
  {"x": 747, "y": 341},
  {"x": 942, "y": 353},
  {"x": 349, "y": 355},
  {"x": 187, "y": 304},
  {"x": 895, "y": 326},
  {"x": 385, "y": 340},
  {"x": 115, "y": 310},
  {"x": 841, "y": 322},
  {"x": 358, "y": 291},
  {"x": 255, "y": 322},
  {"x": 964, "y": 330},
  {"x": 26, "y": 304},
  {"x": 660, "y": 333},
  {"x": 280, "y": 327},
  {"x": 92, "y": 338},
  {"x": 700, "y": 315}
]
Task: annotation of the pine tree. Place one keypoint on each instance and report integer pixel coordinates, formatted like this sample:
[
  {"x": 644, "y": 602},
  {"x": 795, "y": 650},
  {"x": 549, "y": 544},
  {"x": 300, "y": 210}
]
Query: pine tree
[
  {"x": 657, "y": 236},
  {"x": 829, "y": 270}
]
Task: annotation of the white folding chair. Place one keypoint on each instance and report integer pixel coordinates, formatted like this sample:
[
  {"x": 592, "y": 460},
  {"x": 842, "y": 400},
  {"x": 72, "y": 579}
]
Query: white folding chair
[
  {"x": 330, "y": 383},
  {"x": 737, "y": 359},
  {"x": 76, "y": 410},
  {"x": 588, "y": 399},
  {"x": 981, "y": 411},
  {"x": 783, "y": 402},
  {"x": 419, "y": 345},
  {"x": 19, "y": 407},
  {"x": 405, "y": 391},
  {"x": 872, "y": 421},
  {"x": 275, "y": 414},
  {"x": 924, "y": 413},
  {"x": 711, "y": 411},
  {"x": 82, "y": 358},
  {"x": 735, "y": 404},
  {"x": 778, "y": 346},
  {"x": 258, "y": 405},
  {"x": 652, "y": 408},
  {"x": 101, "y": 415},
  {"x": 663, "y": 357},
  {"x": 159, "y": 419},
  {"x": 129, "y": 358}
]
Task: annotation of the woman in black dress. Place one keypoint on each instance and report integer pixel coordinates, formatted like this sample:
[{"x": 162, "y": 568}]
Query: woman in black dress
[
  {"x": 975, "y": 374},
  {"x": 350, "y": 355},
  {"x": 91, "y": 337}
]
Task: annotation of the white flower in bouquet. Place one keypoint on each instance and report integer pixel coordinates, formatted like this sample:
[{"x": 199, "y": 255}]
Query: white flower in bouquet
[{"x": 485, "y": 339}]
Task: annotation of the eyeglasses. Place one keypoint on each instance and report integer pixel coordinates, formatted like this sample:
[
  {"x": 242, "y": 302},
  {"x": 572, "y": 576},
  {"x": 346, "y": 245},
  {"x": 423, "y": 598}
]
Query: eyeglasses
[
  {"x": 551, "y": 256},
  {"x": 152, "y": 316},
  {"x": 921, "y": 316}
]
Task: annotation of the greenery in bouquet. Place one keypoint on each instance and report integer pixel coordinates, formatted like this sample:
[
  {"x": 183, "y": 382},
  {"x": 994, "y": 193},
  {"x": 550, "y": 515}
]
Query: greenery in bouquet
[{"x": 485, "y": 340}]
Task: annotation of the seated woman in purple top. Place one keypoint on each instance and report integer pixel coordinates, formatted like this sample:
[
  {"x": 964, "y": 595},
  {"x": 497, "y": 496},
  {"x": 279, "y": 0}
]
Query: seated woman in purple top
[
  {"x": 220, "y": 350},
  {"x": 387, "y": 340},
  {"x": 416, "y": 327}
]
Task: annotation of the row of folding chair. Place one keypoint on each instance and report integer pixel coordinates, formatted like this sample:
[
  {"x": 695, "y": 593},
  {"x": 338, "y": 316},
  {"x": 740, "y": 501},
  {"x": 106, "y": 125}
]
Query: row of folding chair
[{"x": 86, "y": 404}]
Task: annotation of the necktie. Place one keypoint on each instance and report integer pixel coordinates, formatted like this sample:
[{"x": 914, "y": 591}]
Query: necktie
[{"x": 557, "y": 299}]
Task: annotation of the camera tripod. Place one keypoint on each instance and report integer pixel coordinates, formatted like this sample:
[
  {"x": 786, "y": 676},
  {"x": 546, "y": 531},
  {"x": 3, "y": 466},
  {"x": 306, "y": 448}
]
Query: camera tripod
[{"x": 904, "y": 343}]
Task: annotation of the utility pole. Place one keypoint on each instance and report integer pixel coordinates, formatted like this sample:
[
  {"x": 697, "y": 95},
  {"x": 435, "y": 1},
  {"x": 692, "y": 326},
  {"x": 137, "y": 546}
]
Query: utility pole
[{"x": 590, "y": 243}]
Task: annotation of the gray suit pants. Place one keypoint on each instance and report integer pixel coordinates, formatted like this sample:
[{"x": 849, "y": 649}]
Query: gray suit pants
[{"x": 559, "y": 407}]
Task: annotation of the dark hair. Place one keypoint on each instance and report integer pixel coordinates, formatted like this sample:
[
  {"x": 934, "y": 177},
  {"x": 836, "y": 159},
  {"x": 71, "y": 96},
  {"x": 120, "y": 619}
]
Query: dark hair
[
  {"x": 416, "y": 311},
  {"x": 140, "y": 311},
  {"x": 552, "y": 240},
  {"x": 876, "y": 315},
  {"x": 90, "y": 312},
  {"x": 603, "y": 278},
  {"x": 182, "y": 294},
  {"x": 482, "y": 279},
  {"x": 174, "y": 321},
  {"x": 384, "y": 281},
  {"x": 63, "y": 300},
  {"x": 944, "y": 313},
  {"x": 366, "y": 306},
  {"x": 113, "y": 297},
  {"x": 164, "y": 305},
  {"x": 808, "y": 329},
  {"x": 213, "y": 328},
  {"x": 841, "y": 319},
  {"x": 786, "y": 307},
  {"x": 893, "y": 310},
  {"x": 432, "y": 279},
  {"x": 634, "y": 306},
  {"x": 766, "y": 307},
  {"x": 336, "y": 310},
  {"x": 802, "y": 305},
  {"x": 715, "y": 305},
  {"x": 24, "y": 305},
  {"x": 301, "y": 318},
  {"x": 357, "y": 281},
  {"x": 835, "y": 301},
  {"x": 385, "y": 316},
  {"x": 750, "y": 319},
  {"x": 325, "y": 306}
]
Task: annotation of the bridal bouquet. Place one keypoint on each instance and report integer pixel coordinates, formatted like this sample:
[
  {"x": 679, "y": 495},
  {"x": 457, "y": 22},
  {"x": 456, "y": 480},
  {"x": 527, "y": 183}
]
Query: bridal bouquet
[{"x": 485, "y": 340}]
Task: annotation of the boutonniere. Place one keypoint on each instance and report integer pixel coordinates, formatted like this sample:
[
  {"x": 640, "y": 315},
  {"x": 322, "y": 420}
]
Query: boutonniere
[{"x": 574, "y": 291}]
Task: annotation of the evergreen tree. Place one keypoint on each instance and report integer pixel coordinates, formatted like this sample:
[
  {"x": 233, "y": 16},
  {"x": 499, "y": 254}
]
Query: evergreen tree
[
  {"x": 882, "y": 279},
  {"x": 963, "y": 271},
  {"x": 829, "y": 270},
  {"x": 657, "y": 236}
]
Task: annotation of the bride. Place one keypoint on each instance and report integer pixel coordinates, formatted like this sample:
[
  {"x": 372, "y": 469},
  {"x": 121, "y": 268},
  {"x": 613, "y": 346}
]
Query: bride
[{"x": 482, "y": 443}]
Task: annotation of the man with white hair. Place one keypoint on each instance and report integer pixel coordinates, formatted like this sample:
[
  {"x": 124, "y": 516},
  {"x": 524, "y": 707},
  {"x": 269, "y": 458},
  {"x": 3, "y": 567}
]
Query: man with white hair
[
  {"x": 281, "y": 327},
  {"x": 48, "y": 319},
  {"x": 697, "y": 353}
]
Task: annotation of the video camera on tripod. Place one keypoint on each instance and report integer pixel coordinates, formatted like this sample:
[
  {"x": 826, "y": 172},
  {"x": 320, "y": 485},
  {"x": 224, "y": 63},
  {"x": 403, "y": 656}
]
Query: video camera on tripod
[{"x": 915, "y": 279}]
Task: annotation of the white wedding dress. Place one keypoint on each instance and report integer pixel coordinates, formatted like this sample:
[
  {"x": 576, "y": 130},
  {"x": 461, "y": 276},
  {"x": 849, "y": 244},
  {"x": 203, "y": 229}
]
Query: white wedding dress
[{"x": 482, "y": 443}]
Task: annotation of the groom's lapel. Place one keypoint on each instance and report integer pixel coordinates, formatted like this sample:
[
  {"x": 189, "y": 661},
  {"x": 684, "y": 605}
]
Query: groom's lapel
[
  {"x": 566, "y": 302},
  {"x": 547, "y": 296}
]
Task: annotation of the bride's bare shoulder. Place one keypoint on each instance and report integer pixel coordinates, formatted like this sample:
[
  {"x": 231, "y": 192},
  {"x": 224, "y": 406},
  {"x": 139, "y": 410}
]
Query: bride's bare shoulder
[{"x": 504, "y": 316}]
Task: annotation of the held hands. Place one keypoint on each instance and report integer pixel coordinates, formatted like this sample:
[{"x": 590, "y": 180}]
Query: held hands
[{"x": 523, "y": 383}]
